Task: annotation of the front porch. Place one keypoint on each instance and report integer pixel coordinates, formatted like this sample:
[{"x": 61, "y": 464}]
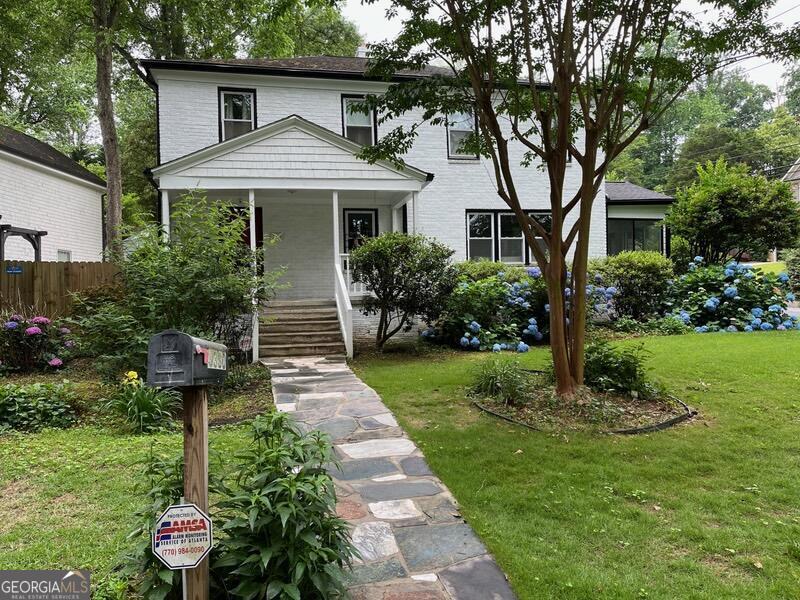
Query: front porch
[{"x": 304, "y": 185}]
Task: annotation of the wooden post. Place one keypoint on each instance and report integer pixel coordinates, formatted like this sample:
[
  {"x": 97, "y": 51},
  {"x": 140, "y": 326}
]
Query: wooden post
[{"x": 195, "y": 474}]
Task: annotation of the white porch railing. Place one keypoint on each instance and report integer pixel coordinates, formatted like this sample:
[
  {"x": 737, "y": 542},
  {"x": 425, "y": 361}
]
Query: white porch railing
[
  {"x": 355, "y": 288},
  {"x": 344, "y": 309}
]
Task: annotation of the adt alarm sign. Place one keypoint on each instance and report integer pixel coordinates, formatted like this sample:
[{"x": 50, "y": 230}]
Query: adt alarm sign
[{"x": 182, "y": 537}]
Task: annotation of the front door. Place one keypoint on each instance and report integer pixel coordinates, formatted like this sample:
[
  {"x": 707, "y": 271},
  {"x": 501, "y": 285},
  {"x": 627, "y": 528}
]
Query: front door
[{"x": 359, "y": 225}]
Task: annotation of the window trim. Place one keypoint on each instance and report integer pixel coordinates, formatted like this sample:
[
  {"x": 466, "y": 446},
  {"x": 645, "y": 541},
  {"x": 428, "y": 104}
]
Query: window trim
[
  {"x": 374, "y": 212},
  {"x": 343, "y": 102},
  {"x": 220, "y": 104},
  {"x": 450, "y": 153},
  {"x": 491, "y": 238},
  {"x": 67, "y": 252},
  {"x": 661, "y": 239}
]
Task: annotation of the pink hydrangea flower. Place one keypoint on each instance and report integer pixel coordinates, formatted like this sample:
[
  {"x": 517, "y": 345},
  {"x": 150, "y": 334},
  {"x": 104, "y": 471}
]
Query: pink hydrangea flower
[
  {"x": 69, "y": 344},
  {"x": 40, "y": 321},
  {"x": 64, "y": 330},
  {"x": 55, "y": 362},
  {"x": 16, "y": 318},
  {"x": 33, "y": 331}
]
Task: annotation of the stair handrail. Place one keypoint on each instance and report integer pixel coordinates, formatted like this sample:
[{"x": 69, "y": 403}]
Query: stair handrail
[{"x": 344, "y": 308}]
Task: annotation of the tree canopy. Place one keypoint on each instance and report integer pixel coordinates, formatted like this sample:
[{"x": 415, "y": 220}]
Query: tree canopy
[{"x": 727, "y": 211}]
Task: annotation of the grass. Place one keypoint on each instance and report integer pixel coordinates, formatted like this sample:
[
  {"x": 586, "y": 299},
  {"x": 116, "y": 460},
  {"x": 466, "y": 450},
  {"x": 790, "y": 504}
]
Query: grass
[
  {"x": 67, "y": 497},
  {"x": 705, "y": 510},
  {"x": 772, "y": 267}
]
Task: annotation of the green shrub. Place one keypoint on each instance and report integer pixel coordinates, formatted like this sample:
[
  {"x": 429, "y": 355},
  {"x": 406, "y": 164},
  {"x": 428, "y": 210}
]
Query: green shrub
[
  {"x": 481, "y": 269},
  {"x": 503, "y": 379},
  {"x": 32, "y": 342},
  {"x": 680, "y": 253},
  {"x": 278, "y": 535},
  {"x": 668, "y": 325},
  {"x": 144, "y": 409},
  {"x": 641, "y": 279},
  {"x": 731, "y": 298},
  {"x": 282, "y": 536},
  {"x": 792, "y": 258},
  {"x": 620, "y": 370},
  {"x": 494, "y": 314},
  {"x": 35, "y": 406},
  {"x": 409, "y": 276}
]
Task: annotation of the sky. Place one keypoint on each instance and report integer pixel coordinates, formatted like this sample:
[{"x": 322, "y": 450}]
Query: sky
[{"x": 375, "y": 27}]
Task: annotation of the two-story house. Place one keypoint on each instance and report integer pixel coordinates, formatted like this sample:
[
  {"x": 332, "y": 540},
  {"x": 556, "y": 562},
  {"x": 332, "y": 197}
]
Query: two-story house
[{"x": 278, "y": 136}]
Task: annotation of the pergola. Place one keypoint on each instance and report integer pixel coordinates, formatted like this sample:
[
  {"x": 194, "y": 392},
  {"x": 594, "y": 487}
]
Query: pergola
[{"x": 32, "y": 235}]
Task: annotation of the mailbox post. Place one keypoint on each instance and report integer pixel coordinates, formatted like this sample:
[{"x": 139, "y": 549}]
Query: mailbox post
[{"x": 178, "y": 360}]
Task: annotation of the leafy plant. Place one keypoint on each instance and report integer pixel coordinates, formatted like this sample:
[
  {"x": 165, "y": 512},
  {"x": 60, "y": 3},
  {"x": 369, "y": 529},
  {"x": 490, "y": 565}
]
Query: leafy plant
[
  {"x": 641, "y": 280},
  {"x": 145, "y": 409},
  {"x": 792, "y": 258},
  {"x": 618, "y": 369},
  {"x": 481, "y": 269},
  {"x": 729, "y": 211},
  {"x": 282, "y": 536},
  {"x": 32, "y": 342},
  {"x": 731, "y": 298},
  {"x": 35, "y": 406},
  {"x": 409, "y": 276},
  {"x": 503, "y": 379}
]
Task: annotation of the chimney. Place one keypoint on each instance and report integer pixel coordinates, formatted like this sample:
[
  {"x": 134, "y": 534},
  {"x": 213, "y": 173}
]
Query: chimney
[{"x": 361, "y": 52}]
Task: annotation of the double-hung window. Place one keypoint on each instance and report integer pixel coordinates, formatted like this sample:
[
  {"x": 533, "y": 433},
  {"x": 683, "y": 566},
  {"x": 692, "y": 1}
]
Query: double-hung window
[
  {"x": 480, "y": 235},
  {"x": 512, "y": 242},
  {"x": 546, "y": 220},
  {"x": 459, "y": 127},
  {"x": 357, "y": 125},
  {"x": 237, "y": 112}
]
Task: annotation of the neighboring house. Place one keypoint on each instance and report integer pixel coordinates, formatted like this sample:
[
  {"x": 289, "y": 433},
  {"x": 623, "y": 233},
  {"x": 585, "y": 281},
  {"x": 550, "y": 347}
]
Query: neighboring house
[
  {"x": 792, "y": 177},
  {"x": 42, "y": 190},
  {"x": 278, "y": 135},
  {"x": 634, "y": 216}
]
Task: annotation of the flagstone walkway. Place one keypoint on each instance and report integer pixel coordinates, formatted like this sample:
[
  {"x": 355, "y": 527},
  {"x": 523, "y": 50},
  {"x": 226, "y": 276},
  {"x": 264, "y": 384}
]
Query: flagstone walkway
[{"x": 413, "y": 542}]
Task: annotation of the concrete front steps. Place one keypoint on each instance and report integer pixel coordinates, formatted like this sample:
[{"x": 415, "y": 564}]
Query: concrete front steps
[{"x": 300, "y": 328}]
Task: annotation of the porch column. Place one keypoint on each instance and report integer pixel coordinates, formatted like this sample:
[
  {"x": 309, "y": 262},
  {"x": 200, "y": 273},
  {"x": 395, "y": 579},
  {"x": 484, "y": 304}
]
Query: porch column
[
  {"x": 165, "y": 213},
  {"x": 397, "y": 216},
  {"x": 415, "y": 207},
  {"x": 336, "y": 251},
  {"x": 251, "y": 198}
]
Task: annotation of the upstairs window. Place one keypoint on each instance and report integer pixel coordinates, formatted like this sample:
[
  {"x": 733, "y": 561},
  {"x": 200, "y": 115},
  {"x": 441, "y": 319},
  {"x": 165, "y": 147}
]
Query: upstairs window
[
  {"x": 459, "y": 127},
  {"x": 357, "y": 126},
  {"x": 237, "y": 112}
]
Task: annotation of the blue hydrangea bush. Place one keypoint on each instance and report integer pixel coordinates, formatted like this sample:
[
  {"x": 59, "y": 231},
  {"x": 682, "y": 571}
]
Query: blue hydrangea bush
[
  {"x": 495, "y": 313},
  {"x": 731, "y": 298}
]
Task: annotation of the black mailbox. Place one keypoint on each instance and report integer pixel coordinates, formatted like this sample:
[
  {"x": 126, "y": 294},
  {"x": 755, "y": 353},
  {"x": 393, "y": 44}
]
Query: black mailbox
[{"x": 176, "y": 359}]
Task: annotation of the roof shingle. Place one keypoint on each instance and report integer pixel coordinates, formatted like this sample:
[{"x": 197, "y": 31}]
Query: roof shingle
[
  {"x": 17, "y": 143},
  {"x": 625, "y": 192}
]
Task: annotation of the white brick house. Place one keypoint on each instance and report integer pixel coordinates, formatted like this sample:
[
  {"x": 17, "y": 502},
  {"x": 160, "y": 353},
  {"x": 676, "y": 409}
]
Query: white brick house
[
  {"x": 277, "y": 136},
  {"x": 41, "y": 189}
]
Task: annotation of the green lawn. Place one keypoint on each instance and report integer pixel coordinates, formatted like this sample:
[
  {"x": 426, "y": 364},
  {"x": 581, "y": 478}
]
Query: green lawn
[
  {"x": 772, "y": 267},
  {"x": 706, "y": 510}
]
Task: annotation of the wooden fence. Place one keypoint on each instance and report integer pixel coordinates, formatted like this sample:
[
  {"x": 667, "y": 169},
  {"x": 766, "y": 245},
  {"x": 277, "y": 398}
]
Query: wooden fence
[{"x": 45, "y": 286}]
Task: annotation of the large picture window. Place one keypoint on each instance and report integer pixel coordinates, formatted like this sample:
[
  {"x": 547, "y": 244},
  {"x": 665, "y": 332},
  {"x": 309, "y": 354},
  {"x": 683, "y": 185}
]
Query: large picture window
[
  {"x": 237, "y": 112},
  {"x": 496, "y": 235},
  {"x": 357, "y": 126},
  {"x": 635, "y": 234},
  {"x": 459, "y": 127}
]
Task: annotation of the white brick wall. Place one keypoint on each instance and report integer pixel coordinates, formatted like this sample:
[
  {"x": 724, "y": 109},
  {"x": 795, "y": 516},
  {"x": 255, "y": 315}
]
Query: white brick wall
[
  {"x": 189, "y": 121},
  {"x": 35, "y": 198}
]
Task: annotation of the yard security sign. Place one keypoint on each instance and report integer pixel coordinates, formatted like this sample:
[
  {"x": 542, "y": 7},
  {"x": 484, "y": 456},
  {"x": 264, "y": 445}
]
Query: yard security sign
[{"x": 182, "y": 536}]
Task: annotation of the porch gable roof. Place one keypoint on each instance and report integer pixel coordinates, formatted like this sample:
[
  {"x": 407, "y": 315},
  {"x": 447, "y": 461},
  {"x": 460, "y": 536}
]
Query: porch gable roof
[{"x": 291, "y": 152}]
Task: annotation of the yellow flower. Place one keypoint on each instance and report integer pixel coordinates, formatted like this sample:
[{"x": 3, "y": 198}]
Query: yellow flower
[{"x": 132, "y": 375}]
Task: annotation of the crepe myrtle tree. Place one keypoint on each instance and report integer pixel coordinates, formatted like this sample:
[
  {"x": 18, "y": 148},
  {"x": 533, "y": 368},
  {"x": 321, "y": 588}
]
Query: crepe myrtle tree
[{"x": 568, "y": 80}]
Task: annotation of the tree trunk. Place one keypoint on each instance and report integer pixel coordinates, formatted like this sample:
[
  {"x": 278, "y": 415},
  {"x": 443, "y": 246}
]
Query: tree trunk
[
  {"x": 559, "y": 332},
  {"x": 105, "y": 17}
]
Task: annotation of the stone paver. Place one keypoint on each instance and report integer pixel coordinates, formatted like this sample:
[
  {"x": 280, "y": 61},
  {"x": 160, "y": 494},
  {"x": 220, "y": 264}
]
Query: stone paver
[{"x": 414, "y": 545}]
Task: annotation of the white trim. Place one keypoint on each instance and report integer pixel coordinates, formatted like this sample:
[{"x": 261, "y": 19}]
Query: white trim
[
  {"x": 50, "y": 170},
  {"x": 336, "y": 247},
  {"x": 326, "y": 135},
  {"x": 178, "y": 182},
  {"x": 165, "y": 222},
  {"x": 415, "y": 211},
  {"x": 251, "y": 208}
]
